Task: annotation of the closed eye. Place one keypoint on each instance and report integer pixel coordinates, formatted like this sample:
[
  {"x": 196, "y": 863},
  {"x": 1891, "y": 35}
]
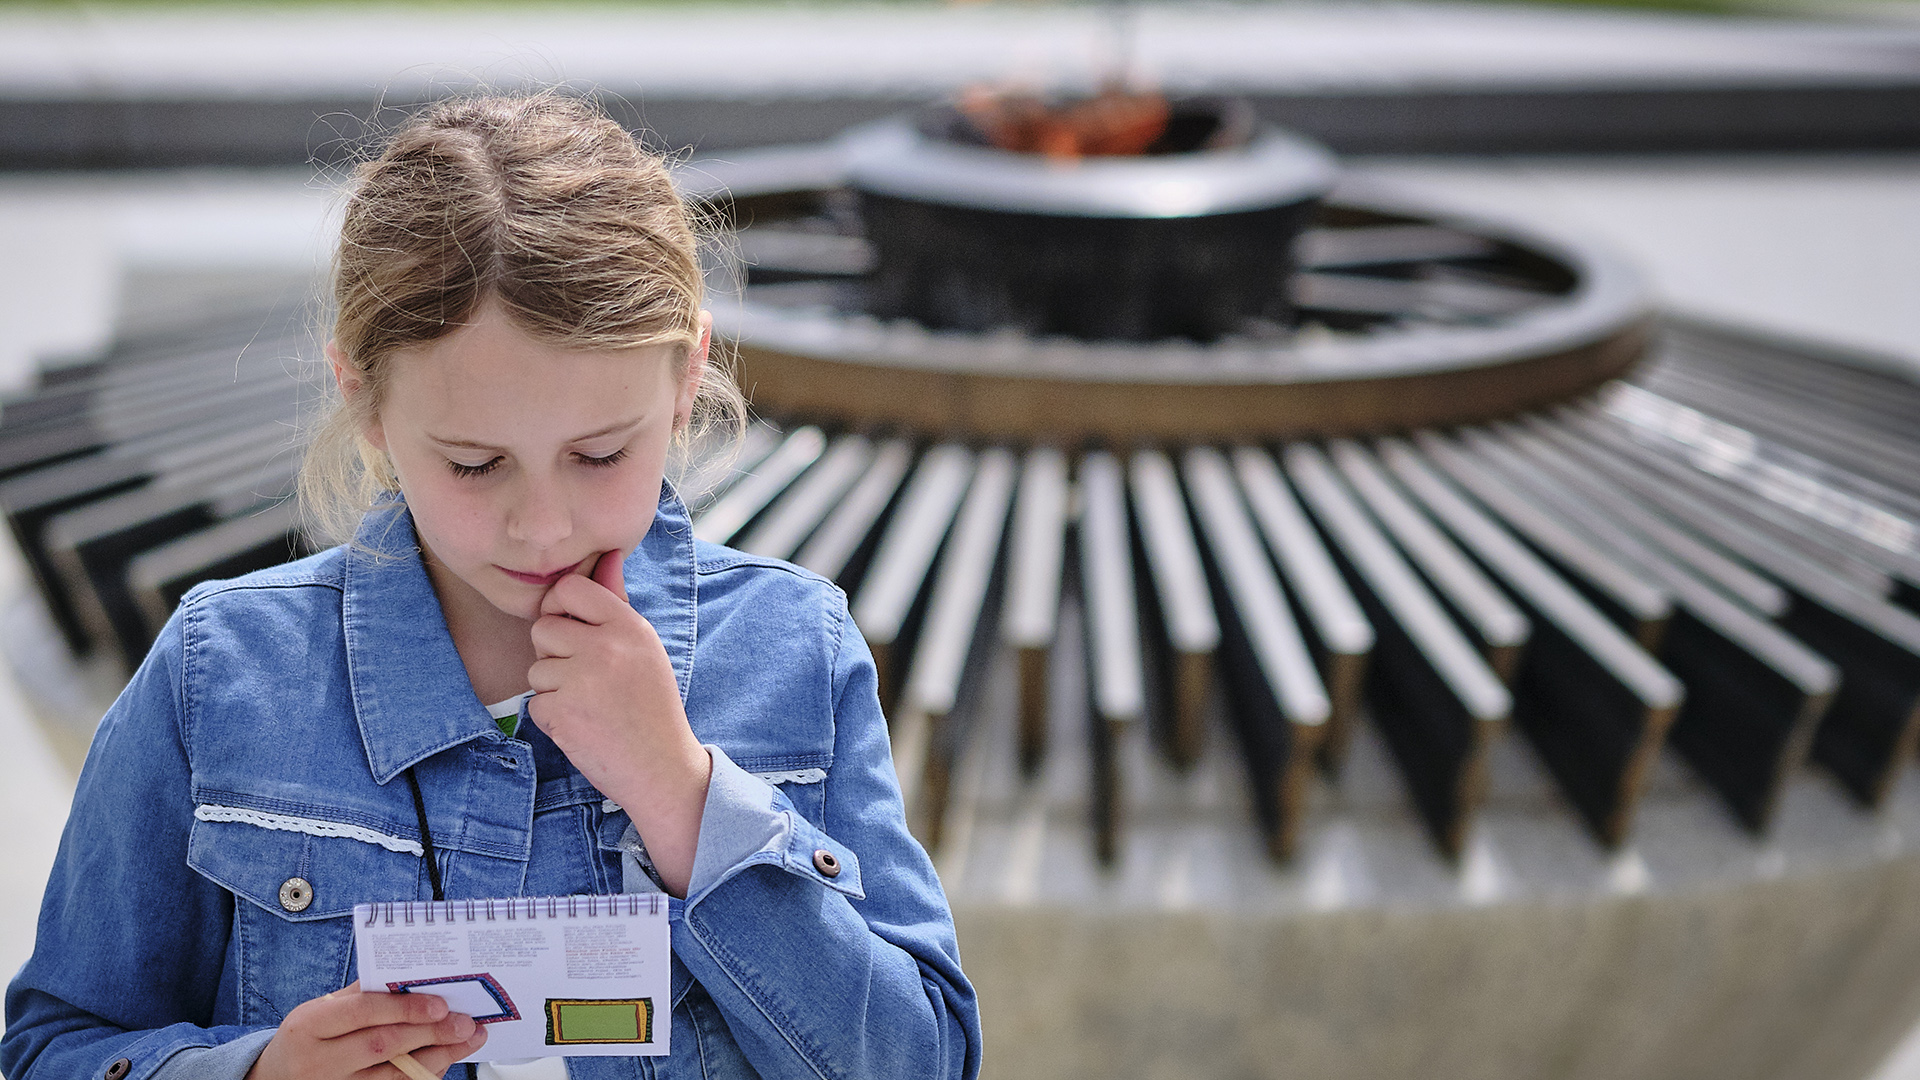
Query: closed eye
[
  {"x": 614, "y": 458},
  {"x": 481, "y": 469}
]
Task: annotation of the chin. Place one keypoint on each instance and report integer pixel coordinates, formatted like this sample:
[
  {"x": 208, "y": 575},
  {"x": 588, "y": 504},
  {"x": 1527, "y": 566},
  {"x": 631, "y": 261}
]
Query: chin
[{"x": 519, "y": 606}]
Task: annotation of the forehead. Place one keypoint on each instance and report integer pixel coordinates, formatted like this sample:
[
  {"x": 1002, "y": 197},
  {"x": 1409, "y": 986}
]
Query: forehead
[{"x": 492, "y": 372}]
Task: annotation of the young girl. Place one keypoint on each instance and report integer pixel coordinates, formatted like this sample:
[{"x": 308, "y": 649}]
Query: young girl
[{"x": 522, "y": 676}]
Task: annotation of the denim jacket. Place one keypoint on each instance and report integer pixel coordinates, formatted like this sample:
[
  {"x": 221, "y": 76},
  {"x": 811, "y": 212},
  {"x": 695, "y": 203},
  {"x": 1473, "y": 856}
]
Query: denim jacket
[{"x": 266, "y": 736}]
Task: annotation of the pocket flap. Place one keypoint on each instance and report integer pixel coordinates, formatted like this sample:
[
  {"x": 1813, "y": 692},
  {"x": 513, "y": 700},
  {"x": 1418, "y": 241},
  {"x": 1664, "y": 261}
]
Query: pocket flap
[{"x": 300, "y": 869}]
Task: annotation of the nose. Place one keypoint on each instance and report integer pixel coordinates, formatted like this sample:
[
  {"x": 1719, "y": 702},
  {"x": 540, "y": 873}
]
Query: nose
[{"x": 540, "y": 517}]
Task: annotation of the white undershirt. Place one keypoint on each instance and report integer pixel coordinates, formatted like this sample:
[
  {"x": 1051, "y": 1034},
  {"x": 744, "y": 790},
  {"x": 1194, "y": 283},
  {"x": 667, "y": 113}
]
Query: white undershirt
[
  {"x": 500, "y": 710},
  {"x": 534, "y": 1068}
]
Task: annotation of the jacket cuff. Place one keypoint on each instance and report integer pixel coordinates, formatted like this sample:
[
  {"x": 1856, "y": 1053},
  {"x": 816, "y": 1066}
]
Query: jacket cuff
[
  {"x": 749, "y": 822},
  {"x": 228, "y": 1061},
  {"x": 740, "y": 820}
]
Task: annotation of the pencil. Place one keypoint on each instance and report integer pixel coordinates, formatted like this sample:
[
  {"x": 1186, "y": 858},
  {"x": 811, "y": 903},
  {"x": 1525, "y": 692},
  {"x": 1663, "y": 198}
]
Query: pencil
[{"x": 414, "y": 1070}]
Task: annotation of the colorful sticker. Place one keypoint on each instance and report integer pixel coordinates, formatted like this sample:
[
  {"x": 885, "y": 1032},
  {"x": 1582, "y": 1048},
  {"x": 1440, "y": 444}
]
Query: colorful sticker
[
  {"x": 572, "y": 1021},
  {"x": 479, "y": 996}
]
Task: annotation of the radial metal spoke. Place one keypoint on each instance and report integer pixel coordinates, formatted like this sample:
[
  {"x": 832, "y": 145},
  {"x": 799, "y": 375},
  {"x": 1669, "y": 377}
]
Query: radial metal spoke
[
  {"x": 1341, "y": 636},
  {"x": 160, "y": 576},
  {"x": 1034, "y": 588},
  {"x": 750, "y": 494},
  {"x": 835, "y": 547},
  {"x": 1641, "y": 606},
  {"x": 1802, "y": 536},
  {"x": 958, "y": 638},
  {"x": 1500, "y": 627},
  {"x": 1182, "y": 632},
  {"x": 1280, "y": 706},
  {"x": 1116, "y": 670},
  {"x": 1730, "y": 575},
  {"x": 1817, "y": 509},
  {"x": 888, "y": 606},
  {"x": 799, "y": 510}
]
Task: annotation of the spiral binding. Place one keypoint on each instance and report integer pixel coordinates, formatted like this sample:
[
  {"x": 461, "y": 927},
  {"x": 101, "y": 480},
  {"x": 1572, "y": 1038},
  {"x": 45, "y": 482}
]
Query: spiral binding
[{"x": 404, "y": 912}]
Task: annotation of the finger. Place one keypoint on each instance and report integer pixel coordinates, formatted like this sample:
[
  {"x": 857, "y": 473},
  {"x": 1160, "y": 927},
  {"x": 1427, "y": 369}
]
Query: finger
[
  {"x": 369, "y": 1047},
  {"x": 339, "y": 1014},
  {"x": 578, "y": 597},
  {"x": 436, "y": 1060},
  {"x": 559, "y": 636},
  {"x": 544, "y": 678},
  {"x": 582, "y": 569},
  {"x": 609, "y": 572}
]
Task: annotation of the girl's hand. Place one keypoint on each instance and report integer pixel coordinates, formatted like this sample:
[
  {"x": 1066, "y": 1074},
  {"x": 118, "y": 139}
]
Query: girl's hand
[
  {"x": 351, "y": 1034},
  {"x": 605, "y": 693}
]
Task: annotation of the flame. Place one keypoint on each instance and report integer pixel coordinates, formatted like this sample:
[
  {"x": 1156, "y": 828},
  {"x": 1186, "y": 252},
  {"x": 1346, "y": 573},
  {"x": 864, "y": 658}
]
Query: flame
[{"x": 1116, "y": 122}]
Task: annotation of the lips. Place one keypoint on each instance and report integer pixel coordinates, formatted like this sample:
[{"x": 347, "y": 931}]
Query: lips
[{"x": 540, "y": 579}]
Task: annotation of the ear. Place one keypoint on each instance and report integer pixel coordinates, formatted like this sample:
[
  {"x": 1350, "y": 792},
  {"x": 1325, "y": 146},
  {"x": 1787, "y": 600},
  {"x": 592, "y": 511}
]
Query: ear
[
  {"x": 696, "y": 370},
  {"x": 352, "y": 383}
]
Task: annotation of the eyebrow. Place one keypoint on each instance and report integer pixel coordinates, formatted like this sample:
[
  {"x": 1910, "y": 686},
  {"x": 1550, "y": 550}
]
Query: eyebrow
[{"x": 610, "y": 429}]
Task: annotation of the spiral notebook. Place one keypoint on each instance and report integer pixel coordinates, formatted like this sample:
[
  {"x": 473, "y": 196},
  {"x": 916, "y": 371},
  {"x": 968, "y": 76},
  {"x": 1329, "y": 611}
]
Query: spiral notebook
[{"x": 553, "y": 976}]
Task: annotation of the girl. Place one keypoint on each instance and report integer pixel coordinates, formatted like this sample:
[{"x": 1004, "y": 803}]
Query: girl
[{"x": 520, "y": 677}]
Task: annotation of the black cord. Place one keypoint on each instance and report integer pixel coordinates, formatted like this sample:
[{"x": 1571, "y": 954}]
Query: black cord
[
  {"x": 426, "y": 837},
  {"x": 433, "y": 870}
]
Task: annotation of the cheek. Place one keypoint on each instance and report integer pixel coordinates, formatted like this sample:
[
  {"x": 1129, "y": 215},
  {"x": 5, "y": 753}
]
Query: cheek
[
  {"x": 624, "y": 514},
  {"x": 451, "y": 520},
  {"x": 623, "y": 510}
]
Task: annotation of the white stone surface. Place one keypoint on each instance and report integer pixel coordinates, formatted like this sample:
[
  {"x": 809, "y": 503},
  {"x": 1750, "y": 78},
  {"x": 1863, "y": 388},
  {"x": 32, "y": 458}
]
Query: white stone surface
[
  {"x": 1824, "y": 247},
  {"x": 68, "y": 239},
  {"x": 35, "y": 787},
  {"x": 796, "y": 49}
]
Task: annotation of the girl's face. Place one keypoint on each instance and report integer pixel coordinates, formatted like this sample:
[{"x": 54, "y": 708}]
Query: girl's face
[{"x": 522, "y": 461}]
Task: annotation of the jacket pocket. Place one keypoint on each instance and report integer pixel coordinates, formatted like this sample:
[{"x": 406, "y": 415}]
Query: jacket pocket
[{"x": 295, "y": 880}]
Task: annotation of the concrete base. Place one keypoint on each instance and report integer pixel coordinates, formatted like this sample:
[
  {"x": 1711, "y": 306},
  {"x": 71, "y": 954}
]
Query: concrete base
[{"x": 1807, "y": 977}]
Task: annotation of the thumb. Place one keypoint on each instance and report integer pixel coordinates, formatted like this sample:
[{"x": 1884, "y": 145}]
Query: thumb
[{"x": 609, "y": 573}]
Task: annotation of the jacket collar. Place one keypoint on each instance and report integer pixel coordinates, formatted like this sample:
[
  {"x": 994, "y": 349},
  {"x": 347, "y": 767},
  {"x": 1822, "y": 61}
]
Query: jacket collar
[{"x": 411, "y": 696}]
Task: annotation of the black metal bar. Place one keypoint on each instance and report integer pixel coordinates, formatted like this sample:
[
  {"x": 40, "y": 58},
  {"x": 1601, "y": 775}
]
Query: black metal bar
[
  {"x": 1438, "y": 703},
  {"x": 1277, "y": 702},
  {"x": 1589, "y": 698}
]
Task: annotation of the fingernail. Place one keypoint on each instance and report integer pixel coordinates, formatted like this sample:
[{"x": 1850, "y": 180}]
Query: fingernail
[
  {"x": 463, "y": 1026},
  {"x": 436, "y": 1007}
]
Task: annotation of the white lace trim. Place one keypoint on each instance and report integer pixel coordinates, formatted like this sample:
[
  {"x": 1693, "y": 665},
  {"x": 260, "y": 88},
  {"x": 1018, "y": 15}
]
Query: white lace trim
[
  {"x": 310, "y": 826},
  {"x": 794, "y": 776},
  {"x": 788, "y": 776}
]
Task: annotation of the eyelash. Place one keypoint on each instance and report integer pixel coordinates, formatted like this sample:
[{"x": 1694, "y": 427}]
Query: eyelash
[
  {"x": 614, "y": 458},
  {"x": 484, "y": 468},
  {"x": 473, "y": 470}
]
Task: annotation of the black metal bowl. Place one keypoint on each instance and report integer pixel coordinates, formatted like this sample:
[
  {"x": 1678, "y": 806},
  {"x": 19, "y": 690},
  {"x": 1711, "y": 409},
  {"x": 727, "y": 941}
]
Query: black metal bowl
[{"x": 1185, "y": 243}]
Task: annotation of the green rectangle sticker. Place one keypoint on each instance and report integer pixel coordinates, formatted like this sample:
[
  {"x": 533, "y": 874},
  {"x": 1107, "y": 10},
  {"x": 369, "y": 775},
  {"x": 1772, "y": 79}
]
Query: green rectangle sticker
[{"x": 572, "y": 1021}]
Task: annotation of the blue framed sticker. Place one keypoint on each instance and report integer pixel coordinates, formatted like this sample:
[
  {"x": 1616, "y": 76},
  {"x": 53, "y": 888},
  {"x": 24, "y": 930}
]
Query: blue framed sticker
[{"x": 479, "y": 996}]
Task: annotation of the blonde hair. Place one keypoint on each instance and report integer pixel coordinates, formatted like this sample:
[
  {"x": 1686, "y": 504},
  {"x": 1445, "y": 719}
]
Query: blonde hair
[{"x": 539, "y": 202}]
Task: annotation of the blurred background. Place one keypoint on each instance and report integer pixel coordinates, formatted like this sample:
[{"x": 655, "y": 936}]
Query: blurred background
[{"x": 169, "y": 167}]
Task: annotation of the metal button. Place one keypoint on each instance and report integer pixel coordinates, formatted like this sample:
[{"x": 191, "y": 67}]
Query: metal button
[
  {"x": 824, "y": 862},
  {"x": 296, "y": 893},
  {"x": 119, "y": 1069}
]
